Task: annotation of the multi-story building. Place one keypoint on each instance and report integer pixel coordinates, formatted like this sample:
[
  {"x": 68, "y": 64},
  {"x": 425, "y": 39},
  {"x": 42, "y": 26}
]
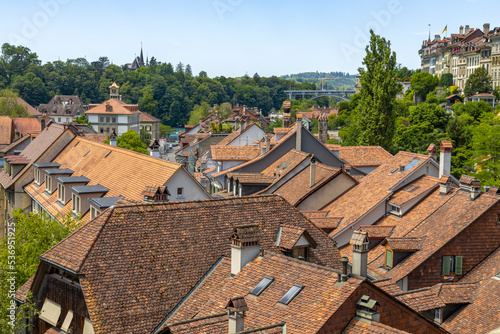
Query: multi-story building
[
  {"x": 63, "y": 108},
  {"x": 462, "y": 53},
  {"x": 114, "y": 115}
]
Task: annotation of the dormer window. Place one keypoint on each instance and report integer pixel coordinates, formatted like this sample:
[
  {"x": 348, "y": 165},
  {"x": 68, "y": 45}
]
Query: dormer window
[
  {"x": 395, "y": 209},
  {"x": 37, "y": 176},
  {"x": 48, "y": 184},
  {"x": 61, "y": 193},
  {"x": 76, "y": 204}
]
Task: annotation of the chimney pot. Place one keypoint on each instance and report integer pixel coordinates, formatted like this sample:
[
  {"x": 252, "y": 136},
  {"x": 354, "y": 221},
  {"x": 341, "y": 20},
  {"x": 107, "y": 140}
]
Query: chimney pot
[
  {"x": 486, "y": 28},
  {"x": 344, "y": 276},
  {"x": 312, "y": 172},
  {"x": 467, "y": 29},
  {"x": 445, "y": 158},
  {"x": 461, "y": 30},
  {"x": 245, "y": 246}
]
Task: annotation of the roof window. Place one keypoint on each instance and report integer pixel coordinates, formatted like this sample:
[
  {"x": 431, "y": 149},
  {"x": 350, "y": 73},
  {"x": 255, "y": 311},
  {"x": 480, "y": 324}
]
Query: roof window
[
  {"x": 291, "y": 294},
  {"x": 266, "y": 281}
]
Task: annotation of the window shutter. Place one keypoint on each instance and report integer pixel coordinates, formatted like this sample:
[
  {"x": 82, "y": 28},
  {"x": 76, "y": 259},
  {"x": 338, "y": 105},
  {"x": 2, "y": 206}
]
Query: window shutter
[
  {"x": 388, "y": 258},
  {"x": 458, "y": 265},
  {"x": 446, "y": 265}
]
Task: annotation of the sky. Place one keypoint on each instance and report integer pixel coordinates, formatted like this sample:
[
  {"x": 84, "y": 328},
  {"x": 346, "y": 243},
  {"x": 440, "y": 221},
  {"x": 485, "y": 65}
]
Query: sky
[{"x": 236, "y": 37}]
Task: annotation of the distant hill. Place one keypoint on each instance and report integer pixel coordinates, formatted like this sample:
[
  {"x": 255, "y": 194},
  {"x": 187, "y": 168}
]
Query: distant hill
[{"x": 333, "y": 80}]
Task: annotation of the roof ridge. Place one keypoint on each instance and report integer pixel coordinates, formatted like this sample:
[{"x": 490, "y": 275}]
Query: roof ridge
[
  {"x": 202, "y": 201},
  {"x": 109, "y": 211},
  {"x": 308, "y": 264},
  {"x": 127, "y": 151}
]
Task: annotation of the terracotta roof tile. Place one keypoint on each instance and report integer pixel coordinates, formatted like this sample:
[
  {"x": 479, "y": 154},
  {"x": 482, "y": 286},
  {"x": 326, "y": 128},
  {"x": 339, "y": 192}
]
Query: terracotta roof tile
[
  {"x": 137, "y": 257},
  {"x": 360, "y": 327},
  {"x": 298, "y": 186},
  {"x": 115, "y": 108},
  {"x": 320, "y": 289},
  {"x": 482, "y": 314},
  {"x": 234, "y": 153},
  {"x": 489, "y": 267},
  {"x": 416, "y": 188},
  {"x": 377, "y": 231},
  {"x": 405, "y": 244},
  {"x": 148, "y": 118},
  {"x": 98, "y": 162},
  {"x": 373, "y": 188},
  {"x": 26, "y": 125},
  {"x": 7, "y": 129},
  {"x": 363, "y": 156},
  {"x": 24, "y": 289}
]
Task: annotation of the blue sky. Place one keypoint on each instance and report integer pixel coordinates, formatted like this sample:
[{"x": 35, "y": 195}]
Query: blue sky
[{"x": 234, "y": 37}]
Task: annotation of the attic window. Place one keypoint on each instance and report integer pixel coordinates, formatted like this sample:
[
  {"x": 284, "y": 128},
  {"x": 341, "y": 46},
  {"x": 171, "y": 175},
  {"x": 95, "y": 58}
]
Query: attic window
[
  {"x": 291, "y": 294},
  {"x": 107, "y": 154},
  {"x": 266, "y": 281},
  {"x": 394, "y": 170},
  {"x": 50, "y": 312}
]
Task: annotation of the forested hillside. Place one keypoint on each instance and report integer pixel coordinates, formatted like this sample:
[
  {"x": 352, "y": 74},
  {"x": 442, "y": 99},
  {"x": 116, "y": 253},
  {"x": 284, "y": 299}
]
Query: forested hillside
[
  {"x": 166, "y": 92},
  {"x": 327, "y": 80}
]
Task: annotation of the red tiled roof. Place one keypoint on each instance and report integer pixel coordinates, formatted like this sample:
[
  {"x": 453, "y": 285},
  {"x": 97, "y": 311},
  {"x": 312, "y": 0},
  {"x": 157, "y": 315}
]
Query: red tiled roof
[
  {"x": 117, "y": 108},
  {"x": 361, "y": 327},
  {"x": 148, "y": 118},
  {"x": 373, "y": 188},
  {"x": 234, "y": 153},
  {"x": 363, "y": 156},
  {"x": 6, "y": 127},
  {"x": 26, "y": 125}
]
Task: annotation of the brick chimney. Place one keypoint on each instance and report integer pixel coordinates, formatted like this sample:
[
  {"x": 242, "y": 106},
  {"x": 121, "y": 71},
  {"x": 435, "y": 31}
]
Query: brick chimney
[
  {"x": 432, "y": 151},
  {"x": 445, "y": 158},
  {"x": 312, "y": 172},
  {"x": 244, "y": 246},
  {"x": 470, "y": 185},
  {"x": 461, "y": 30},
  {"x": 236, "y": 308},
  {"x": 298, "y": 134},
  {"x": 359, "y": 242},
  {"x": 467, "y": 29},
  {"x": 486, "y": 28},
  {"x": 323, "y": 128}
]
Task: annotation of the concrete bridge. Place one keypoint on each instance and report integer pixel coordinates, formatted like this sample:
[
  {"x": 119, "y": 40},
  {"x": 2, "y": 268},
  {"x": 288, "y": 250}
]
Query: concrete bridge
[{"x": 314, "y": 94}]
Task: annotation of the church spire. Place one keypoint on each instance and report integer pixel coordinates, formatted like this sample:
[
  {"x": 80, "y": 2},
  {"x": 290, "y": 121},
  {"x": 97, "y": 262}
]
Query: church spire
[{"x": 141, "y": 59}]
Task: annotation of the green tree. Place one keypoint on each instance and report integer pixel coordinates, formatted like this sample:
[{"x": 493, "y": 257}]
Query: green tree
[
  {"x": 476, "y": 110},
  {"x": 446, "y": 79},
  {"x": 165, "y": 131},
  {"x": 423, "y": 83},
  {"x": 34, "y": 234},
  {"x": 83, "y": 119},
  {"x": 202, "y": 110},
  {"x": 132, "y": 141},
  {"x": 189, "y": 71},
  {"x": 486, "y": 150},
  {"x": 375, "y": 112},
  {"x": 478, "y": 82},
  {"x": 9, "y": 105}
]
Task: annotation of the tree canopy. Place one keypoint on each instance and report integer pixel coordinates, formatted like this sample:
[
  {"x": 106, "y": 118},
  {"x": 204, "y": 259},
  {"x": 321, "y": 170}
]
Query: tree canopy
[
  {"x": 478, "y": 82},
  {"x": 375, "y": 111},
  {"x": 132, "y": 141}
]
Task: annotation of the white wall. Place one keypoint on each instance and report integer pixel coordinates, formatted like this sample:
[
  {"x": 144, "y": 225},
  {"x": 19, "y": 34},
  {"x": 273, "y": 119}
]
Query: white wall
[
  {"x": 123, "y": 119},
  {"x": 248, "y": 137},
  {"x": 192, "y": 189},
  {"x": 122, "y": 129},
  {"x": 93, "y": 118}
]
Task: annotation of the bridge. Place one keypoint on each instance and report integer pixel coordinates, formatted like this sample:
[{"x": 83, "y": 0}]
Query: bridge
[{"x": 314, "y": 94}]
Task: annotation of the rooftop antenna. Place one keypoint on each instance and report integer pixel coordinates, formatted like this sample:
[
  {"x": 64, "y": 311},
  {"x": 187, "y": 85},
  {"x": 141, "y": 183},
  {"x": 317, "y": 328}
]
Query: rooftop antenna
[{"x": 429, "y": 31}]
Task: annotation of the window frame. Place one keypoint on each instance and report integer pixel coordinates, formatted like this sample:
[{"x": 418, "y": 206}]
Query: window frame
[
  {"x": 452, "y": 265},
  {"x": 181, "y": 193},
  {"x": 61, "y": 192}
]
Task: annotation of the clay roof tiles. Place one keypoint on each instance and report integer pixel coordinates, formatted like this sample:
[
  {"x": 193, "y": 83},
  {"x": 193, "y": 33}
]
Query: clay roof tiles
[
  {"x": 357, "y": 326},
  {"x": 155, "y": 254},
  {"x": 364, "y": 156},
  {"x": 6, "y": 127},
  {"x": 112, "y": 107},
  {"x": 234, "y": 153},
  {"x": 373, "y": 188}
]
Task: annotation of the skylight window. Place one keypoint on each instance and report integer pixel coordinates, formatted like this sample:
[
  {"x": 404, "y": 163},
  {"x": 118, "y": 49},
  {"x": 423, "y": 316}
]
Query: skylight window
[
  {"x": 412, "y": 164},
  {"x": 394, "y": 170},
  {"x": 86, "y": 153},
  {"x": 266, "y": 281},
  {"x": 412, "y": 190},
  {"x": 291, "y": 294},
  {"x": 107, "y": 154}
]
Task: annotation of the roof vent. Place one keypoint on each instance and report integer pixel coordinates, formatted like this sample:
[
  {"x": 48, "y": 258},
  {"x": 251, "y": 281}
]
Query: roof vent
[
  {"x": 366, "y": 309},
  {"x": 154, "y": 194},
  {"x": 470, "y": 185}
]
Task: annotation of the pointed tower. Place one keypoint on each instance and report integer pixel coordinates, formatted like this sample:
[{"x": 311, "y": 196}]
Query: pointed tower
[
  {"x": 114, "y": 91},
  {"x": 141, "y": 58}
]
